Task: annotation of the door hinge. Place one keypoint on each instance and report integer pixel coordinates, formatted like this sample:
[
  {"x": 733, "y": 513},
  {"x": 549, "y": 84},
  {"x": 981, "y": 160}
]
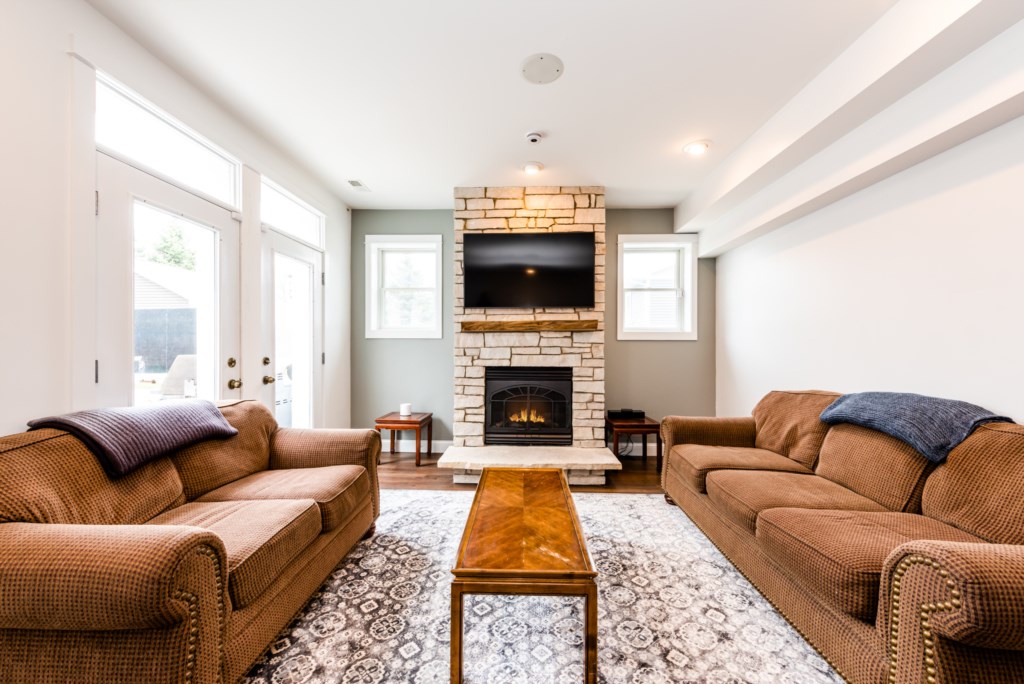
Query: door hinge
[
  {"x": 96, "y": 371},
  {"x": 323, "y": 358},
  {"x": 97, "y": 202}
]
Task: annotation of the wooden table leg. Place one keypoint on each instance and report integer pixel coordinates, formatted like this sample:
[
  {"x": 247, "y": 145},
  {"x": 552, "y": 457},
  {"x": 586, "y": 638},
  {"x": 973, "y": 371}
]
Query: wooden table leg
[
  {"x": 657, "y": 436},
  {"x": 392, "y": 440},
  {"x": 430, "y": 438},
  {"x": 615, "y": 442},
  {"x": 590, "y": 635},
  {"x": 456, "y": 640},
  {"x": 417, "y": 429},
  {"x": 643, "y": 449}
]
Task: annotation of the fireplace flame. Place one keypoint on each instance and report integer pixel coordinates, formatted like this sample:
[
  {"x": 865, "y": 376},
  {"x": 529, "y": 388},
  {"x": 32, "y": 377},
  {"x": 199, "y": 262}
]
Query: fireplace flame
[{"x": 524, "y": 417}]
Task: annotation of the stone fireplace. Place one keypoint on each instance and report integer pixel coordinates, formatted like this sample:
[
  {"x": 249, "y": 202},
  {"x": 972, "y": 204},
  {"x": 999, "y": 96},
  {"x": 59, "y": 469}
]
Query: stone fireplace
[
  {"x": 569, "y": 340},
  {"x": 528, "y": 406}
]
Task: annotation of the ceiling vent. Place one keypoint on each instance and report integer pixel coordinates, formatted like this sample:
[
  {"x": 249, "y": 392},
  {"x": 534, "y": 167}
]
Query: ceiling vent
[
  {"x": 542, "y": 68},
  {"x": 358, "y": 185}
]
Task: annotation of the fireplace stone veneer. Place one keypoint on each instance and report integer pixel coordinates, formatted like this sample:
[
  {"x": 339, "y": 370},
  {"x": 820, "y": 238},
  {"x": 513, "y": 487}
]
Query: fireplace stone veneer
[{"x": 531, "y": 209}]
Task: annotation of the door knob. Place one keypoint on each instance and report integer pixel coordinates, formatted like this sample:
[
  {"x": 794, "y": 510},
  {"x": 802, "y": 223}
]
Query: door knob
[
  {"x": 268, "y": 379},
  {"x": 234, "y": 384}
]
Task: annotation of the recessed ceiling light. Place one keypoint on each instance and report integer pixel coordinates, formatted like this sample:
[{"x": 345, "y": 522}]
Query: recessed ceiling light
[
  {"x": 542, "y": 68},
  {"x": 697, "y": 147},
  {"x": 532, "y": 168}
]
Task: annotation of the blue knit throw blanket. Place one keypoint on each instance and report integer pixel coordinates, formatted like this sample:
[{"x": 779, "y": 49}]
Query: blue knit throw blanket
[{"x": 931, "y": 425}]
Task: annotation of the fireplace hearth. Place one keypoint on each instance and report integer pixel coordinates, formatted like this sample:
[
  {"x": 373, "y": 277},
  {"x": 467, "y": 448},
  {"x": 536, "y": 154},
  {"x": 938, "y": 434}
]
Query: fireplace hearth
[{"x": 528, "y": 406}]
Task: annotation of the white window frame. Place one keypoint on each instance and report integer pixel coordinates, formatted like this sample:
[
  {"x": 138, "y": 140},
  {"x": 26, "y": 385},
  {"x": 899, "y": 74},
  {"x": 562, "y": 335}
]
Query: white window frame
[
  {"x": 321, "y": 218},
  {"x": 376, "y": 245},
  {"x": 686, "y": 245},
  {"x": 158, "y": 113}
]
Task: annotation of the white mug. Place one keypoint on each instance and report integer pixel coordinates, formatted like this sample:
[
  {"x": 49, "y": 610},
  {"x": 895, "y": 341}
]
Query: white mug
[{"x": 404, "y": 409}]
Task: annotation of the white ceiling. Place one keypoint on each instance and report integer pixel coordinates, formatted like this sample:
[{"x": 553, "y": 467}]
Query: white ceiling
[{"x": 414, "y": 97}]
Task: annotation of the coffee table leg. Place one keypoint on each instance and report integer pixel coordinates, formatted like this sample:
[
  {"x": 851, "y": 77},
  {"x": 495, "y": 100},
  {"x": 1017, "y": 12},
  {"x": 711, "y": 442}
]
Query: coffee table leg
[
  {"x": 643, "y": 441},
  {"x": 430, "y": 437},
  {"x": 392, "y": 441},
  {"x": 456, "y": 656},
  {"x": 590, "y": 636},
  {"x": 417, "y": 428}
]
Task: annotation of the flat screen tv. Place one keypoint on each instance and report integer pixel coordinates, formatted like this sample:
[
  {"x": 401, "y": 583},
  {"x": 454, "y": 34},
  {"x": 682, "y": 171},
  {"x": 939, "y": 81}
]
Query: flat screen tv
[{"x": 528, "y": 270}]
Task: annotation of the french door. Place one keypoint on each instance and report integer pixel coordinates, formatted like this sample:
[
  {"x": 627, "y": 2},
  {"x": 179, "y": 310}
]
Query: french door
[
  {"x": 293, "y": 330},
  {"x": 167, "y": 291}
]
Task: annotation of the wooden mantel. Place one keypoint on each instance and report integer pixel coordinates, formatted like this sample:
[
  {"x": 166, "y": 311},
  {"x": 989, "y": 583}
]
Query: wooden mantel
[{"x": 528, "y": 326}]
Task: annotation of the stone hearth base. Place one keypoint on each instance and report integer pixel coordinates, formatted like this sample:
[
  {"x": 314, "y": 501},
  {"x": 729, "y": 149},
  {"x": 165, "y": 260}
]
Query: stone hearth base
[{"x": 583, "y": 466}]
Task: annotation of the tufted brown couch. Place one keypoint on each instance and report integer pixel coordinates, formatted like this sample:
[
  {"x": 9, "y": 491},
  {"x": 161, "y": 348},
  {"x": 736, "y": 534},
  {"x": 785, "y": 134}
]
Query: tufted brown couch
[
  {"x": 894, "y": 569},
  {"x": 185, "y": 569}
]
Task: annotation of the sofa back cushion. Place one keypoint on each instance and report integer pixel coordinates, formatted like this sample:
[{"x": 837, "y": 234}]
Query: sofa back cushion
[
  {"x": 980, "y": 487},
  {"x": 205, "y": 466},
  {"x": 788, "y": 424},
  {"x": 874, "y": 465},
  {"x": 48, "y": 476}
]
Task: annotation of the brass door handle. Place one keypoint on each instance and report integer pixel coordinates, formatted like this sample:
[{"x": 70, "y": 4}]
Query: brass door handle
[
  {"x": 268, "y": 379},
  {"x": 234, "y": 384}
]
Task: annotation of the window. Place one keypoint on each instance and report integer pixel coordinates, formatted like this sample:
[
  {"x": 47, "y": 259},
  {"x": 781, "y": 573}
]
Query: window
[
  {"x": 136, "y": 131},
  {"x": 657, "y": 287},
  {"x": 403, "y": 286},
  {"x": 286, "y": 213}
]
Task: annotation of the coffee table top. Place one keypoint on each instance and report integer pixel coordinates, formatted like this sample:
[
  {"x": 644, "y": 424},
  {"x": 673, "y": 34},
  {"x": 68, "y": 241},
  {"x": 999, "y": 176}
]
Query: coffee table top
[{"x": 523, "y": 524}]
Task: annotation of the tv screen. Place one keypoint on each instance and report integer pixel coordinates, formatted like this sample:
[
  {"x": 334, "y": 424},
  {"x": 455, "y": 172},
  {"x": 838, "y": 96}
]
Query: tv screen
[{"x": 528, "y": 270}]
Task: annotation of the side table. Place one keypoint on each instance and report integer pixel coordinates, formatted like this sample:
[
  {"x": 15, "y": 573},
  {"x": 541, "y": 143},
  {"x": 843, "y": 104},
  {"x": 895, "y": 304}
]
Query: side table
[
  {"x": 396, "y": 422},
  {"x": 634, "y": 426}
]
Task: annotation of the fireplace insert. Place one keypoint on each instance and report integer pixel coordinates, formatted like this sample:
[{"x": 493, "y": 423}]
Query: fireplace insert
[{"x": 528, "y": 406}]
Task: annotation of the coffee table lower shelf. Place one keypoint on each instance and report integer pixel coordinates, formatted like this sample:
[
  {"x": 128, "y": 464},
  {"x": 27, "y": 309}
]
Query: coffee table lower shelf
[{"x": 519, "y": 587}]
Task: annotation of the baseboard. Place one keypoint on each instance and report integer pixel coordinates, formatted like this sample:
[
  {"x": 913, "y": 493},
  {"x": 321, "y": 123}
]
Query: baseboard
[{"x": 409, "y": 445}]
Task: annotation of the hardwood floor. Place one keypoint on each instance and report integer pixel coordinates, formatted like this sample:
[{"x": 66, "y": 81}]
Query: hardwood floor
[{"x": 399, "y": 471}]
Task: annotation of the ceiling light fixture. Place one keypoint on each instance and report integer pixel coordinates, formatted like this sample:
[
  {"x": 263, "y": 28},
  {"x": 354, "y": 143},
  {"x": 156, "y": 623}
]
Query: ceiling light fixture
[
  {"x": 532, "y": 168},
  {"x": 697, "y": 147}
]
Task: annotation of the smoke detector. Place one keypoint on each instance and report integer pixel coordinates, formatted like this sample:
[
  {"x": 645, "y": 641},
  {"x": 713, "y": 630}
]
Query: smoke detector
[
  {"x": 534, "y": 137},
  {"x": 542, "y": 68}
]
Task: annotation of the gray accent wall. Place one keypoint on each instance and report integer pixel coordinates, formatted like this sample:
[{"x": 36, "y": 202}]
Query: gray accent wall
[
  {"x": 660, "y": 377},
  {"x": 388, "y": 372}
]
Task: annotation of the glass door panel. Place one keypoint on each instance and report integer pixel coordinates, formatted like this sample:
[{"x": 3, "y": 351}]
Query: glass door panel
[
  {"x": 176, "y": 290},
  {"x": 293, "y": 330},
  {"x": 293, "y": 341}
]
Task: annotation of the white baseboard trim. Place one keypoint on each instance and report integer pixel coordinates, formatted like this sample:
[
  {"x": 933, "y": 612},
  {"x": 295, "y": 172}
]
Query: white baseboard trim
[{"x": 409, "y": 445}]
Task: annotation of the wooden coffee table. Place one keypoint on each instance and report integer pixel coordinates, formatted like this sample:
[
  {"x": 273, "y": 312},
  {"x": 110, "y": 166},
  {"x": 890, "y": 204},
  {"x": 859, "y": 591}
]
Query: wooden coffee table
[{"x": 523, "y": 537}]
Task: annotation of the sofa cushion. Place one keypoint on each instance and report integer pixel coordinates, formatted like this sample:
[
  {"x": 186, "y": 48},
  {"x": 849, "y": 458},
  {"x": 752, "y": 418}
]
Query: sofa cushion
[
  {"x": 693, "y": 462},
  {"x": 339, "y": 491},
  {"x": 48, "y": 476},
  {"x": 788, "y": 424},
  {"x": 838, "y": 555},
  {"x": 875, "y": 465},
  {"x": 740, "y": 495},
  {"x": 980, "y": 487},
  {"x": 261, "y": 538},
  {"x": 210, "y": 464}
]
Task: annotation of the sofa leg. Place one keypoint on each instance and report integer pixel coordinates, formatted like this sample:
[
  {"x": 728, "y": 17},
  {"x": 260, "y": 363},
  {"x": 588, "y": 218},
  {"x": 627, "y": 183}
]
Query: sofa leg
[
  {"x": 370, "y": 532},
  {"x": 668, "y": 500}
]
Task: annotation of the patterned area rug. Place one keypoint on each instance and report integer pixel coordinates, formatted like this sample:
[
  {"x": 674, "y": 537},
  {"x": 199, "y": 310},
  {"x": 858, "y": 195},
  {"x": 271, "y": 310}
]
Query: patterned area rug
[{"x": 671, "y": 609}]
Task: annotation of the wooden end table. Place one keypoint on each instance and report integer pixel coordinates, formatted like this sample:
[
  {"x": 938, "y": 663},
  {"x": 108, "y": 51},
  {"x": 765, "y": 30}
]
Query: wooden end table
[
  {"x": 634, "y": 426},
  {"x": 523, "y": 537},
  {"x": 396, "y": 422}
]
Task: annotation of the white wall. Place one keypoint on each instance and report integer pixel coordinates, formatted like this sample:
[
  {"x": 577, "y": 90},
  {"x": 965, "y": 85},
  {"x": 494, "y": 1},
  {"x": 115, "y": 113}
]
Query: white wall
[
  {"x": 35, "y": 87},
  {"x": 914, "y": 284}
]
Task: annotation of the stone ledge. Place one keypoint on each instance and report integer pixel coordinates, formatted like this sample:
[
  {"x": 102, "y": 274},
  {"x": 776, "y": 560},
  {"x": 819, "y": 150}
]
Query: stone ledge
[{"x": 529, "y": 326}]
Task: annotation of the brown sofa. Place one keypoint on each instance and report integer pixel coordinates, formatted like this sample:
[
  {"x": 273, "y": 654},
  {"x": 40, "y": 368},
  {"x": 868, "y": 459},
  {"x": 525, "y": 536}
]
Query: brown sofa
[
  {"x": 183, "y": 570},
  {"x": 894, "y": 569}
]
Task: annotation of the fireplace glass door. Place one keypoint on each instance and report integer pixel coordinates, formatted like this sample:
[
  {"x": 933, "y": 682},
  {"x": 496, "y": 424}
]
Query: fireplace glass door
[{"x": 528, "y": 406}]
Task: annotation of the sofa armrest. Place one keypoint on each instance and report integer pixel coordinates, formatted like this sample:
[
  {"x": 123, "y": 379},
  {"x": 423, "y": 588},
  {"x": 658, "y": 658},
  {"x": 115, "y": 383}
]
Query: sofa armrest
[
  {"x": 111, "y": 577},
  {"x": 309, "y": 448},
  {"x": 707, "y": 430},
  {"x": 969, "y": 593}
]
